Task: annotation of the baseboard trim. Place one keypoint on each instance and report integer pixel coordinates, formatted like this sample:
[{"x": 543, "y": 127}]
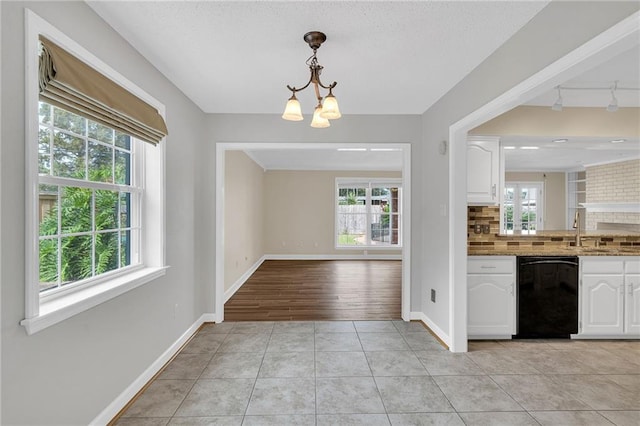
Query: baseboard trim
[
  {"x": 243, "y": 278},
  {"x": 605, "y": 336},
  {"x": 332, "y": 256},
  {"x": 440, "y": 334},
  {"x": 121, "y": 401}
]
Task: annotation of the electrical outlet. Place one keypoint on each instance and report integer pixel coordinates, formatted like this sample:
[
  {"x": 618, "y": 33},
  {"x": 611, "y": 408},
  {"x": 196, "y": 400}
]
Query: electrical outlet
[
  {"x": 486, "y": 229},
  {"x": 477, "y": 229},
  {"x": 433, "y": 295}
]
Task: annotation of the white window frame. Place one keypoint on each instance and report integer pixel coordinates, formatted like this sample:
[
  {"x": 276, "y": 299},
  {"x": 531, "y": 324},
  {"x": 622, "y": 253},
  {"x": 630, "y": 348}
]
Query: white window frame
[
  {"x": 42, "y": 311},
  {"x": 517, "y": 205},
  {"x": 368, "y": 183}
]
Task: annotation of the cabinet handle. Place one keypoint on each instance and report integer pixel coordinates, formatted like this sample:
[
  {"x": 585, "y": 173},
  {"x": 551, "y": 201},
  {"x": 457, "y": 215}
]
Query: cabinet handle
[{"x": 493, "y": 191}]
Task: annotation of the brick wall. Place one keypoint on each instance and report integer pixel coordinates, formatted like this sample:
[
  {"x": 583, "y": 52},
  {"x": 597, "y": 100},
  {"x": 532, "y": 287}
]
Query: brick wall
[{"x": 615, "y": 182}]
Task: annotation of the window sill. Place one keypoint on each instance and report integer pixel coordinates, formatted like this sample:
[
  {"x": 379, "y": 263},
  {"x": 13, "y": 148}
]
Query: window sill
[{"x": 64, "y": 307}]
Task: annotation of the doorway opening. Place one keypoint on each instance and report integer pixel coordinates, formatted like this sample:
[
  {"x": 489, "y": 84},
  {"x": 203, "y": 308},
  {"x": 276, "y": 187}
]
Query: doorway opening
[{"x": 284, "y": 245}]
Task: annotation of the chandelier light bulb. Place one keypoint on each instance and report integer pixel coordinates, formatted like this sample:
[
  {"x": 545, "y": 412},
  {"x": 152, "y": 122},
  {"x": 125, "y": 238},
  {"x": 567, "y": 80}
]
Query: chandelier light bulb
[
  {"x": 293, "y": 111},
  {"x": 330, "y": 108},
  {"x": 318, "y": 121}
]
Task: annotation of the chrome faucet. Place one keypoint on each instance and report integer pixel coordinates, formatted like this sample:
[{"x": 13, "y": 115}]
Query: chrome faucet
[{"x": 576, "y": 226}]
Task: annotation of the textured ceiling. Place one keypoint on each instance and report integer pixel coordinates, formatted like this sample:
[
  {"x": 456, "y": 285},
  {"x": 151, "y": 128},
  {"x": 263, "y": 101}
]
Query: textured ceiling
[{"x": 387, "y": 57}]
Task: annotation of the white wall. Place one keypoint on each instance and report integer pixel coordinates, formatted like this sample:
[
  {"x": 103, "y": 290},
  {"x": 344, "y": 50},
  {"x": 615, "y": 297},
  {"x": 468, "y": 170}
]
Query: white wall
[
  {"x": 300, "y": 212},
  {"x": 557, "y": 30},
  {"x": 244, "y": 205},
  {"x": 68, "y": 373}
]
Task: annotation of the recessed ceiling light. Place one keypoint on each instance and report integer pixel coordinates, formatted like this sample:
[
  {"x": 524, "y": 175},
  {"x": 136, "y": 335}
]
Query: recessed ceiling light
[
  {"x": 618, "y": 140},
  {"x": 352, "y": 149},
  {"x": 529, "y": 147},
  {"x": 509, "y": 147},
  {"x": 561, "y": 140}
]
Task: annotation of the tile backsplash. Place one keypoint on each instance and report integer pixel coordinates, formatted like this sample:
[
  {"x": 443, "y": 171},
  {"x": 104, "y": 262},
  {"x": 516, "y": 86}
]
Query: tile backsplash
[{"x": 546, "y": 242}]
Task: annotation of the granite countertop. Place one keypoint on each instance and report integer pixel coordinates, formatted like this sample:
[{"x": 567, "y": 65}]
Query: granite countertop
[
  {"x": 571, "y": 234},
  {"x": 559, "y": 251}
]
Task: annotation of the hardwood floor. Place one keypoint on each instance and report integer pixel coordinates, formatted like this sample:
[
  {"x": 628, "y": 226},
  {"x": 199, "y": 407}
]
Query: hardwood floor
[{"x": 319, "y": 290}]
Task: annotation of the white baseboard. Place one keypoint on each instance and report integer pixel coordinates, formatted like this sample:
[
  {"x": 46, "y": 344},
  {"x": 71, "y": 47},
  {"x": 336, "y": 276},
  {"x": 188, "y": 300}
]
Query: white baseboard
[
  {"x": 243, "y": 278},
  {"x": 123, "y": 399},
  {"x": 432, "y": 326},
  {"x": 332, "y": 256},
  {"x": 605, "y": 336}
]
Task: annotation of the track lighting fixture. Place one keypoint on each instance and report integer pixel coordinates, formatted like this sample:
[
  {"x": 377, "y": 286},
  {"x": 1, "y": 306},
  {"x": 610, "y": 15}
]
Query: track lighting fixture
[
  {"x": 558, "y": 105},
  {"x": 611, "y": 107}
]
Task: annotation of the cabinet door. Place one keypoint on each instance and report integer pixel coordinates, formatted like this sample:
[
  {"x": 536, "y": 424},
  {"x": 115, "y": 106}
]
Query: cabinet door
[
  {"x": 491, "y": 305},
  {"x": 602, "y": 304},
  {"x": 632, "y": 304},
  {"x": 483, "y": 169}
]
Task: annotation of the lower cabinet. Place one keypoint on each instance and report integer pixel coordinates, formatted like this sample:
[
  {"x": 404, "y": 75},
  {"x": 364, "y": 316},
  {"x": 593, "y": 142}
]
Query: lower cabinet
[
  {"x": 491, "y": 297},
  {"x": 632, "y": 304},
  {"x": 610, "y": 296}
]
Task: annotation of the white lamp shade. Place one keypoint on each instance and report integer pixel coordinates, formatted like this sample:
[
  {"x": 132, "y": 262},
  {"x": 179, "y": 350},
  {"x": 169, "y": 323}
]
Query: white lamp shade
[
  {"x": 318, "y": 121},
  {"x": 292, "y": 111},
  {"x": 330, "y": 108}
]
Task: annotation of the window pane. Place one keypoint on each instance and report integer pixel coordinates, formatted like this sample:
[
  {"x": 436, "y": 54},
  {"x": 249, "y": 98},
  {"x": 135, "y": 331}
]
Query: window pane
[
  {"x": 75, "y": 210},
  {"x": 125, "y": 248},
  {"x": 44, "y": 149},
  {"x": 352, "y": 227},
  {"x": 106, "y": 252},
  {"x": 106, "y": 210},
  {"x": 380, "y": 228},
  {"x": 123, "y": 168},
  {"x": 99, "y": 132},
  {"x": 68, "y": 156},
  {"x": 100, "y": 163},
  {"x": 125, "y": 207},
  {"x": 48, "y": 206},
  {"x": 123, "y": 140},
  {"x": 76, "y": 258},
  {"x": 68, "y": 121},
  {"x": 44, "y": 112},
  {"x": 48, "y": 259}
]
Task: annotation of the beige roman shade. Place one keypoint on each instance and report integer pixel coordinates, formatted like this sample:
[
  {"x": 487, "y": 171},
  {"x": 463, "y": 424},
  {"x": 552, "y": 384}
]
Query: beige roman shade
[{"x": 69, "y": 83}]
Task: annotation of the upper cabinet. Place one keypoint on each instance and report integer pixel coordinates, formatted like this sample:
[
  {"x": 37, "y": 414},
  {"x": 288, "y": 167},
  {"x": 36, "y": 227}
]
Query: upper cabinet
[{"x": 483, "y": 170}]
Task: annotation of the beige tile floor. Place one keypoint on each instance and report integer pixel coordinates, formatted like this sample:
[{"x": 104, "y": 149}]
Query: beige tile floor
[{"x": 387, "y": 373}]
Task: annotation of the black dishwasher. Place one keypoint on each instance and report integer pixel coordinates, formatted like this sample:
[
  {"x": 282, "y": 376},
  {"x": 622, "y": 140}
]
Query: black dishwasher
[{"x": 547, "y": 296}]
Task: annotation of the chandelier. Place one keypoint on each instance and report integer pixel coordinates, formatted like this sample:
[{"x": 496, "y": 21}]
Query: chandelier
[{"x": 326, "y": 109}]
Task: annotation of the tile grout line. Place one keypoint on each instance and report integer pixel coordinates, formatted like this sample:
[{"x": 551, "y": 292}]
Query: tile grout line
[{"x": 198, "y": 378}]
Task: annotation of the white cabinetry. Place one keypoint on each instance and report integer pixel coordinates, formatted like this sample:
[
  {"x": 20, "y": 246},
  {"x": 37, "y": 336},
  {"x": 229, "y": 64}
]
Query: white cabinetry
[
  {"x": 610, "y": 296},
  {"x": 491, "y": 298},
  {"x": 483, "y": 170}
]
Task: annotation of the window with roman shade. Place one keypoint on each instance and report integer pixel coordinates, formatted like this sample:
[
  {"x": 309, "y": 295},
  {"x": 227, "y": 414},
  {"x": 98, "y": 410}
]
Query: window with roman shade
[
  {"x": 69, "y": 83},
  {"x": 95, "y": 180}
]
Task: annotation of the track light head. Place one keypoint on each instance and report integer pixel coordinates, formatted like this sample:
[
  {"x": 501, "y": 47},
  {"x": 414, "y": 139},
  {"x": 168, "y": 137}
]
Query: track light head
[
  {"x": 558, "y": 105},
  {"x": 613, "y": 105}
]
